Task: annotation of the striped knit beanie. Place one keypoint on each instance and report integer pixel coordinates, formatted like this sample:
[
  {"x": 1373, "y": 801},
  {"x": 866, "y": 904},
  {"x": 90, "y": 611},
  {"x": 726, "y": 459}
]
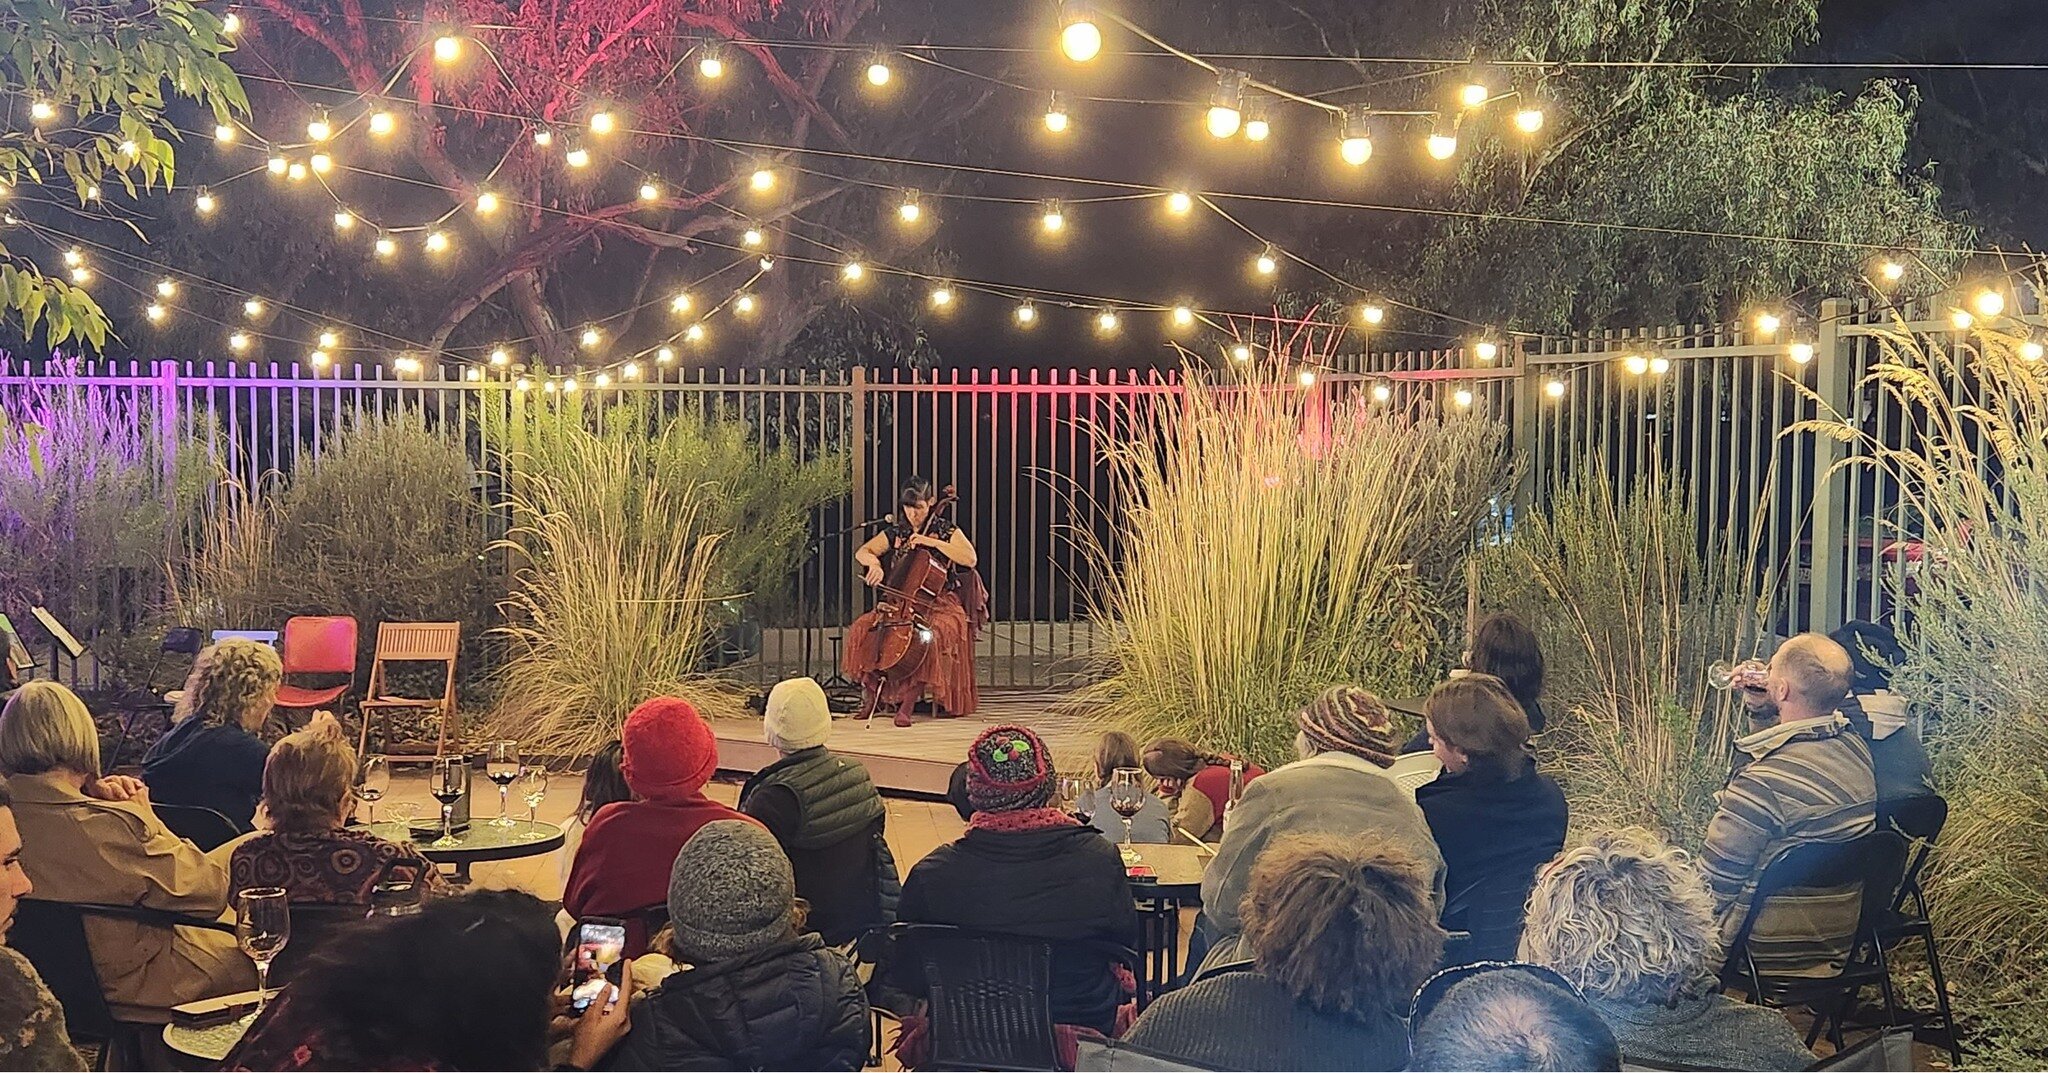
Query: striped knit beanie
[
  {"x": 1008, "y": 768},
  {"x": 1347, "y": 719}
]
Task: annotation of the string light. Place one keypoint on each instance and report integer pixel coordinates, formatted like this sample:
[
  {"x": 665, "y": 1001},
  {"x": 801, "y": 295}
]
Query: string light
[
  {"x": 296, "y": 172},
  {"x": 1306, "y": 378},
  {"x": 745, "y": 304},
  {"x": 1636, "y": 364},
  {"x": 604, "y": 380},
  {"x": 942, "y": 296},
  {"x": 1027, "y": 314},
  {"x": 2030, "y": 351},
  {"x": 666, "y": 354},
  {"x": 1226, "y": 113},
  {"x": 682, "y": 302},
  {"x": 42, "y": 111},
  {"x": 1442, "y": 143},
  {"x": 321, "y": 162},
  {"x": 631, "y": 370},
  {"x": 1056, "y": 114},
  {"x": 590, "y": 338},
  {"x": 1382, "y": 392},
  {"x": 1474, "y": 94},
  {"x": 1767, "y": 324},
  {"x": 767, "y": 263},
  {"x": 500, "y": 357},
  {"x": 344, "y": 220},
  {"x": 92, "y": 192},
  {"x": 74, "y": 257},
  {"x": 252, "y": 307},
  {"x": 320, "y": 359},
  {"x": 382, "y": 123},
  {"x": 1179, "y": 203},
  {"x": 385, "y": 246},
  {"x": 1659, "y": 366},
  {"x": 319, "y": 130},
  {"x": 694, "y": 333},
  {"x": 472, "y": 374},
  {"x": 1462, "y": 396},
  {"x": 166, "y": 287},
  {"x": 276, "y": 165},
  {"x": 752, "y": 237},
  {"x": 437, "y": 242},
  {"x": 1989, "y": 303},
  {"x": 1355, "y": 135},
  {"x": 650, "y": 191},
  {"x": 1268, "y": 261},
  {"x": 406, "y": 364},
  {"x": 1080, "y": 38},
  {"x": 571, "y": 385},
  {"x": 852, "y": 271},
  {"x": 909, "y": 210},
  {"x": 1371, "y": 314},
  {"x": 129, "y": 149},
  {"x": 1554, "y": 388},
  {"x": 328, "y": 340},
  {"x": 238, "y": 341},
  {"x": 1183, "y": 316},
  {"x": 224, "y": 133},
  {"x": 762, "y": 181},
  {"x": 522, "y": 384},
  {"x": 1486, "y": 350},
  {"x": 231, "y": 24},
  {"x": 1052, "y": 216},
  {"x": 578, "y": 157},
  {"x": 154, "y": 311},
  {"x": 81, "y": 274},
  {"x": 486, "y": 203},
  {"x": 711, "y": 64},
  {"x": 1800, "y": 353},
  {"x": 1529, "y": 117},
  {"x": 447, "y": 48},
  {"x": 878, "y": 70},
  {"x": 1961, "y": 319},
  {"x": 1240, "y": 352},
  {"x": 204, "y": 202},
  {"x": 1256, "y": 128},
  {"x": 550, "y": 387},
  {"x": 543, "y": 137},
  {"x": 1107, "y": 322},
  {"x": 602, "y": 123}
]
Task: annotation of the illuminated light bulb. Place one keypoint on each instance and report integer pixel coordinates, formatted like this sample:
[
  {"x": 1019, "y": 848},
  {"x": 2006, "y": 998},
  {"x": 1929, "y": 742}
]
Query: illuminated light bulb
[
  {"x": 500, "y": 357},
  {"x": 571, "y": 384},
  {"x": 1056, "y": 114},
  {"x": 711, "y": 64},
  {"x": 1027, "y": 314},
  {"x": 154, "y": 311},
  {"x": 1226, "y": 105},
  {"x": 225, "y": 133},
  {"x": 578, "y": 157},
  {"x": 1441, "y": 146},
  {"x": 166, "y": 287},
  {"x": 1268, "y": 261},
  {"x": 1223, "y": 121},
  {"x": 329, "y": 340},
  {"x": 1660, "y": 366},
  {"x": 1183, "y": 316},
  {"x": 650, "y": 192},
  {"x": 1462, "y": 396},
  {"x": 631, "y": 370},
  {"x": 1382, "y": 392},
  {"x": 344, "y": 220},
  {"x": 231, "y": 24},
  {"x": 694, "y": 334},
  {"x": 486, "y": 203},
  {"x": 603, "y": 123},
  {"x": 252, "y": 307},
  {"x": 666, "y": 354},
  {"x": 382, "y": 123},
  {"x": 942, "y": 296},
  {"x": 551, "y": 387},
  {"x": 1474, "y": 94},
  {"x": 319, "y": 130},
  {"x": 204, "y": 201},
  {"x": 763, "y": 180},
  {"x": 1241, "y": 352},
  {"x": 2030, "y": 351},
  {"x": 321, "y": 162},
  {"x": 1080, "y": 38},
  {"x": 447, "y": 48},
  {"x": 1306, "y": 378},
  {"x": 910, "y": 211},
  {"x": 74, "y": 257},
  {"x": 1989, "y": 303},
  {"x": 522, "y": 384},
  {"x": 320, "y": 359},
  {"x": 1354, "y": 136},
  {"x": 1636, "y": 364},
  {"x": 1107, "y": 322},
  {"x": 1529, "y": 119},
  {"x": 1554, "y": 388},
  {"x": 238, "y": 341},
  {"x": 604, "y": 380},
  {"x": 1961, "y": 319},
  {"x": 276, "y": 165},
  {"x": 472, "y": 373},
  {"x": 752, "y": 237},
  {"x": 681, "y": 303},
  {"x": 1179, "y": 203},
  {"x": 878, "y": 72},
  {"x": 1486, "y": 350},
  {"x": 42, "y": 111},
  {"x": 92, "y": 192},
  {"x": 1892, "y": 271},
  {"x": 406, "y": 363},
  {"x": 745, "y": 304},
  {"x": 1371, "y": 314},
  {"x": 296, "y": 172},
  {"x": 1052, "y": 215},
  {"x": 1768, "y": 323},
  {"x": 437, "y": 241},
  {"x": 130, "y": 149},
  {"x": 590, "y": 338},
  {"x": 767, "y": 263},
  {"x": 81, "y": 274},
  {"x": 543, "y": 137},
  {"x": 1256, "y": 128},
  {"x": 852, "y": 272},
  {"x": 386, "y": 247},
  {"x": 1800, "y": 353}
]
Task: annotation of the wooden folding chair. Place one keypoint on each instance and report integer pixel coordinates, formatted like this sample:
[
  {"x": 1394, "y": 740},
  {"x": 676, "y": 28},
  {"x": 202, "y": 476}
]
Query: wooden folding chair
[{"x": 409, "y": 642}]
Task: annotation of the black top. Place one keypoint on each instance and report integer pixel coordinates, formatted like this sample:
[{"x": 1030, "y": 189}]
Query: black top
[
  {"x": 794, "y": 1005},
  {"x": 937, "y": 529},
  {"x": 218, "y": 767},
  {"x": 1494, "y": 832}
]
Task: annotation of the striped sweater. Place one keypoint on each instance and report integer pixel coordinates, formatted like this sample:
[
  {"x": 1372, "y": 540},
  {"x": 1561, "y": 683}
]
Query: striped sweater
[{"x": 1807, "y": 780}]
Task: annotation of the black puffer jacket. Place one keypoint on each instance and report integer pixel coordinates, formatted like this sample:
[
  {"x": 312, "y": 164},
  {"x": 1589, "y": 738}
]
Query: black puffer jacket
[{"x": 794, "y": 1005}]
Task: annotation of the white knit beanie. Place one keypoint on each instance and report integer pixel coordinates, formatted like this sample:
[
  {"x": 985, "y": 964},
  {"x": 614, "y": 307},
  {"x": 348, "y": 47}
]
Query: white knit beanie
[{"x": 798, "y": 717}]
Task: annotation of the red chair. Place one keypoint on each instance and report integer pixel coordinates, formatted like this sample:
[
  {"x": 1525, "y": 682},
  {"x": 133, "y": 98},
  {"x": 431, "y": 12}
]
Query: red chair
[{"x": 317, "y": 644}]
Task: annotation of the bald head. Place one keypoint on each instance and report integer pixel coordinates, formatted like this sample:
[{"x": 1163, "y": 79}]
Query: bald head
[{"x": 1809, "y": 677}]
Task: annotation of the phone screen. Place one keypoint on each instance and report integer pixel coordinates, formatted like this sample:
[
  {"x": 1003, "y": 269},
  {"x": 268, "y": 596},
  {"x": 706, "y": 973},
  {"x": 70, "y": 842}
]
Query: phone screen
[{"x": 600, "y": 944}]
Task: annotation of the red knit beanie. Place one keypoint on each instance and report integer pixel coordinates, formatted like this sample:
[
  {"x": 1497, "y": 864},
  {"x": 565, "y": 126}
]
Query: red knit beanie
[{"x": 670, "y": 751}]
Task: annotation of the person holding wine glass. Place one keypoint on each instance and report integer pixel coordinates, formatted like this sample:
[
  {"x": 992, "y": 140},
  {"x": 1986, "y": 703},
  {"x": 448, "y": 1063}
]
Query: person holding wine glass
[
  {"x": 1114, "y": 750},
  {"x": 309, "y": 850},
  {"x": 501, "y": 766},
  {"x": 448, "y": 782}
]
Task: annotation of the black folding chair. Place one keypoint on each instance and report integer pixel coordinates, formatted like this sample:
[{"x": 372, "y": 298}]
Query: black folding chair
[
  {"x": 51, "y": 935},
  {"x": 199, "y": 825},
  {"x": 1920, "y": 819},
  {"x": 1872, "y": 864},
  {"x": 315, "y": 927}
]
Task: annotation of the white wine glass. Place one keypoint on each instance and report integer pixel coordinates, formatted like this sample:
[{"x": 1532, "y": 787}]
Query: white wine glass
[
  {"x": 448, "y": 782},
  {"x": 501, "y": 766},
  {"x": 263, "y": 924},
  {"x": 402, "y": 814},
  {"x": 533, "y": 786},
  {"x": 375, "y": 782}
]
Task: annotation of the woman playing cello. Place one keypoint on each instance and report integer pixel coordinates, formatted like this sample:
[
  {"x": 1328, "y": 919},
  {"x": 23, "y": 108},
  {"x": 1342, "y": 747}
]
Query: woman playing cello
[{"x": 955, "y": 617}]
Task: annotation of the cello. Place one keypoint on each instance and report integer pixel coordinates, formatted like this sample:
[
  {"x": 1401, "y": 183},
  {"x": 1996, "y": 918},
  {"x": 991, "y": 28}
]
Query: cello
[{"x": 902, "y": 638}]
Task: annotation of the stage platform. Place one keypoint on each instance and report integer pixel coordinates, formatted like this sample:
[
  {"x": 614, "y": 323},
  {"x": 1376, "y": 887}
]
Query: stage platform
[{"x": 919, "y": 759}]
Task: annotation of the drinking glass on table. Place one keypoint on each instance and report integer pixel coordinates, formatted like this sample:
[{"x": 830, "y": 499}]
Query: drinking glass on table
[
  {"x": 402, "y": 814},
  {"x": 501, "y": 766},
  {"x": 263, "y": 924},
  {"x": 448, "y": 782},
  {"x": 1127, "y": 796},
  {"x": 376, "y": 780},
  {"x": 533, "y": 786}
]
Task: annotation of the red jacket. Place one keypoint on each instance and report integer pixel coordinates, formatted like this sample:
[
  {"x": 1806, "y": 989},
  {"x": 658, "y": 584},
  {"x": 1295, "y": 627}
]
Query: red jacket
[{"x": 623, "y": 864}]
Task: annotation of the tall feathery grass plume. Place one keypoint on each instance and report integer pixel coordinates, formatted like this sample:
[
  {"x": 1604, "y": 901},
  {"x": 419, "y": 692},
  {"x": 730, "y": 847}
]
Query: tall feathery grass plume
[{"x": 1274, "y": 538}]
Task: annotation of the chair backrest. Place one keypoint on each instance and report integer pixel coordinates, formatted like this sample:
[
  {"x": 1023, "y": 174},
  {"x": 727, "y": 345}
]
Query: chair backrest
[
  {"x": 319, "y": 644},
  {"x": 314, "y": 928},
  {"x": 268, "y": 637},
  {"x": 418, "y": 640},
  {"x": 990, "y": 996},
  {"x": 183, "y": 640},
  {"x": 199, "y": 825},
  {"x": 51, "y": 935},
  {"x": 1920, "y": 817},
  {"x": 1415, "y": 769},
  {"x": 1875, "y": 862}
]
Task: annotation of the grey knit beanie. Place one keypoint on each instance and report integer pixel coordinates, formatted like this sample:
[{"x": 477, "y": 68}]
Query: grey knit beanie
[{"x": 730, "y": 893}]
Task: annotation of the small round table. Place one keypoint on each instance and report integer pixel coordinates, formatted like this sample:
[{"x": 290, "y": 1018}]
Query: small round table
[
  {"x": 1176, "y": 882},
  {"x": 481, "y": 841}
]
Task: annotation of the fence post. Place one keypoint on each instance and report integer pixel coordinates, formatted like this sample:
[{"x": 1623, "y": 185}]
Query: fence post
[
  {"x": 1522, "y": 442},
  {"x": 1833, "y": 382},
  {"x": 857, "y": 449}
]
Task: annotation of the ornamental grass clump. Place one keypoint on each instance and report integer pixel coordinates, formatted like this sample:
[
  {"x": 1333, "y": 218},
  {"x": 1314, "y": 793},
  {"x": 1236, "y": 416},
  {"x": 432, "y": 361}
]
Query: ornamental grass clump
[{"x": 1272, "y": 540}]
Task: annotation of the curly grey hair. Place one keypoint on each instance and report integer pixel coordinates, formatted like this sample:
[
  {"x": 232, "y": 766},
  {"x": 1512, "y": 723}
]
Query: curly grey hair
[
  {"x": 1626, "y": 917},
  {"x": 232, "y": 681}
]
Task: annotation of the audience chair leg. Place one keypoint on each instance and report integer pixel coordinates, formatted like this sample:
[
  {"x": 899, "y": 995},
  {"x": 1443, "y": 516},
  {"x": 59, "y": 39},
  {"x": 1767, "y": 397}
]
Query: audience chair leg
[{"x": 1942, "y": 1008}]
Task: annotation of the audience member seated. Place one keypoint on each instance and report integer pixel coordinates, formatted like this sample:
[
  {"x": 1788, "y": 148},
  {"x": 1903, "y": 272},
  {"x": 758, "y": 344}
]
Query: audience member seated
[
  {"x": 956, "y": 792},
  {"x": 309, "y": 850},
  {"x": 1628, "y": 920},
  {"x": 94, "y": 839},
  {"x": 760, "y": 992},
  {"x": 1117, "y": 749},
  {"x": 1898, "y": 758},
  {"x": 1503, "y": 646},
  {"x": 1494, "y": 816},
  {"x": 211, "y": 756},
  {"x": 825, "y": 812},
  {"x": 35, "y": 1037},
  {"x": 1341, "y": 930},
  {"x": 1198, "y": 780},
  {"x": 1507, "y": 1016},
  {"x": 604, "y": 782},
  {"x": 1802, "y": 776},
  {"x": 465, "y": 983},
  {"x": 1027, "y": 868},
  {"x": 1345, "y": 738},
  {"x": 622, "y": 867}
]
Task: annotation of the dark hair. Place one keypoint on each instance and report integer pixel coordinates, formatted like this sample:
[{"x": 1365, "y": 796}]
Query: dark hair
[
  {"x": 1508, "y": 1019},
  {"x": 1863, "y": 639},
  {"x": 1478, "y": 716},
  {"x": 6, "y": 796},
  {"x": 604, "y": 781},
  {"x": 1177, "y": 758},
  {"x": 915, "y": 490},
  {"x": 1114, "y": 750},
  {"x": 1343, "y": 922},
  {"x": 465, "y": 983},
  {"x": 1505, "y": 647}
]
